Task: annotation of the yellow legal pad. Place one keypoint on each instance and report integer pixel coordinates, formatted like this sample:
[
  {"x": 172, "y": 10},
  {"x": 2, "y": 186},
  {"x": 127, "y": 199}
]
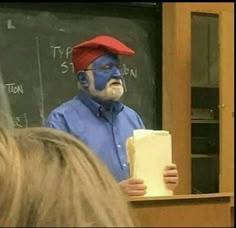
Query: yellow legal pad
[{"x": 148, "y": 152}]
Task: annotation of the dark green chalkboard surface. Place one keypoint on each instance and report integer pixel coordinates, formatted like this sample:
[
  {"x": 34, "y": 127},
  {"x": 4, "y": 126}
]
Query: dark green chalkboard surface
[{"x": 35, "y": 55}]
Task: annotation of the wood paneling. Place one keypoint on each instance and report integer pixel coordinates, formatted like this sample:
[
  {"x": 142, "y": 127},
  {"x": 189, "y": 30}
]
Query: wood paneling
[
  {"x": 199, "y": 210},
  {"x": 227, "y": 101},
  {"x": 176, "y": 87}
]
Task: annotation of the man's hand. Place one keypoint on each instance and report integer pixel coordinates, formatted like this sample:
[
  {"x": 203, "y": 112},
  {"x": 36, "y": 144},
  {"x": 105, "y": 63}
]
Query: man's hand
[
  {"x": 171, "y": 177},
  {"x": 133, "y": 187}
]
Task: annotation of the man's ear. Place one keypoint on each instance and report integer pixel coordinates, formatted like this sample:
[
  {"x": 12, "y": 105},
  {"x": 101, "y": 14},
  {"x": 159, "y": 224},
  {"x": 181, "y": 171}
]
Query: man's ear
[{"x": 81, "y": 77}]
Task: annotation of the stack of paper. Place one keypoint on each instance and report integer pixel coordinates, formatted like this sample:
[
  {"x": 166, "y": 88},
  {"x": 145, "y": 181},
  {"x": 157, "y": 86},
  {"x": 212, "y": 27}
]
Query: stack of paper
[{"x": 149, "y": 152}]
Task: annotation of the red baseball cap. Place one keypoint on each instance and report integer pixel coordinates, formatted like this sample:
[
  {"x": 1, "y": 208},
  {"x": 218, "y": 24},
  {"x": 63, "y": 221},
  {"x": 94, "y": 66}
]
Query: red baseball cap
[{"x": 85, "y": 53}]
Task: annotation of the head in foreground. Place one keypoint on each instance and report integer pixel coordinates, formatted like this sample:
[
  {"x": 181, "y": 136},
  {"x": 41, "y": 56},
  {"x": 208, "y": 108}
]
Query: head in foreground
[{"x": 49, "y": 178}]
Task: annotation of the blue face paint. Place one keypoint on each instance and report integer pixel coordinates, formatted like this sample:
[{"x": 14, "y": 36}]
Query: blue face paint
[{"x": 104, "y": 68}]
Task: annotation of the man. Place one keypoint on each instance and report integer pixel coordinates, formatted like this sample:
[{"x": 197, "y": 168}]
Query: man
[{"x": 97, "y": 117}]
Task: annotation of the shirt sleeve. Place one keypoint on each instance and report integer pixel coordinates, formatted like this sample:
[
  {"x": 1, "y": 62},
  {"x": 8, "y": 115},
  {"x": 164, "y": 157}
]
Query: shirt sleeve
[
  {"x": 142, "y": 126},
  {"x": 57, "y": 121}
]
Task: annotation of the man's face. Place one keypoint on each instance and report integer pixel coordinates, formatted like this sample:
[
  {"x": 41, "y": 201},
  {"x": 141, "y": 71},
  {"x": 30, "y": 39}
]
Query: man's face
[{"x": 105, "y": 80}]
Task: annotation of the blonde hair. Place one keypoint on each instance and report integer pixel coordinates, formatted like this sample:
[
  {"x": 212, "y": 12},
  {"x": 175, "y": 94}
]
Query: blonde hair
[{"x": 50, "y": 178}]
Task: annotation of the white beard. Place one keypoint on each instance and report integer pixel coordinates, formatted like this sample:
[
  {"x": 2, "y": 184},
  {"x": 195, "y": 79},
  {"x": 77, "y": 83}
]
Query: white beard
[{"x": 112, "y": 92}]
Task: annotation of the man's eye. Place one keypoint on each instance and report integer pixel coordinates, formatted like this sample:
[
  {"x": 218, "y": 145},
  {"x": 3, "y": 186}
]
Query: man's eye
[{"x": 106, "y": 67}]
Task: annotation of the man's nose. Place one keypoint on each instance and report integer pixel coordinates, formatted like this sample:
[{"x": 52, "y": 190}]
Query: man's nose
[{"x": 116, "y": 73}]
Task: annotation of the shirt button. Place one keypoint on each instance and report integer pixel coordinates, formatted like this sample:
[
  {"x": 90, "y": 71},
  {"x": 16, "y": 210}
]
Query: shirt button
[
  {"x": 119, "y": 146},
  {"x": 124, "y": 165}
]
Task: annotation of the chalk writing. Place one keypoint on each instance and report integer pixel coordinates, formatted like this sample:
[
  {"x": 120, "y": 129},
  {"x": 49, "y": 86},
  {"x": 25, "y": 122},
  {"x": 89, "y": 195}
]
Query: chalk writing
[
  {"x": 42, "y": 114},
  {"x": 132, "y": 72},
  {"x": 13, "y": 88},
  {"x": 10, "y": 25},
  {"x": 65, "y": 67},
  {"x": 61, "y": 52},
  {"x": 20, "y": 121},
  {"x": 124, "y": 85},
  {"x": 64, "y": 53}
]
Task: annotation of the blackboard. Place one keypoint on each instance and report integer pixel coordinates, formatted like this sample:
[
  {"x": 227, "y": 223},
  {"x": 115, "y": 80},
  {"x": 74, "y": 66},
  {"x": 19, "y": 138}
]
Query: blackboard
[{"x": 35, "y": 57}]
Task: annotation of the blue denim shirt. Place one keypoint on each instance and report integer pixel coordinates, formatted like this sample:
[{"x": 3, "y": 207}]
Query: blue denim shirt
[{"x": 104, "y": 134}]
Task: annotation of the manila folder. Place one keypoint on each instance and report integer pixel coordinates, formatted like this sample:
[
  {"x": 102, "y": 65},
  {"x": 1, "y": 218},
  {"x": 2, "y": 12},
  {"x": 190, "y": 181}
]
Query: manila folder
[{"x": 148, "y": 152}]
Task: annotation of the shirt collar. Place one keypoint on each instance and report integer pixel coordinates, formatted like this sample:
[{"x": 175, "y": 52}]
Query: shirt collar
[{"x": 97, "y": 108}]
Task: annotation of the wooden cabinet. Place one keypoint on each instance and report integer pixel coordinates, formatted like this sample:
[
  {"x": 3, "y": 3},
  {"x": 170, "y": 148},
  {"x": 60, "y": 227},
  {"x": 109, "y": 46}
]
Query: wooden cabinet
[{"x": 201, "y": 78}]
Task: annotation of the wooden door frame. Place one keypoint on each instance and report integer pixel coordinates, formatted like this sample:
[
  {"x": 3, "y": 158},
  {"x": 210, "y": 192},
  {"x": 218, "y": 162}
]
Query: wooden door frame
[{"x": 177, "y": 86}]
